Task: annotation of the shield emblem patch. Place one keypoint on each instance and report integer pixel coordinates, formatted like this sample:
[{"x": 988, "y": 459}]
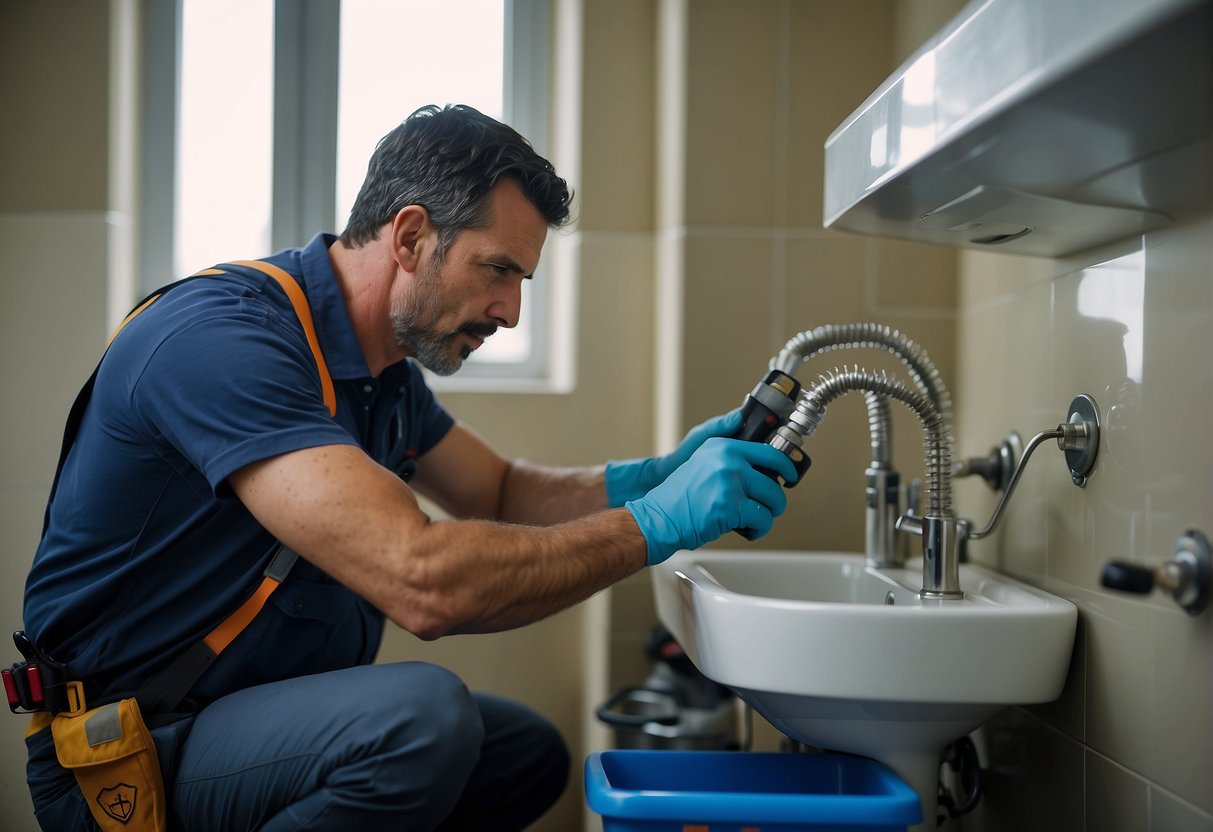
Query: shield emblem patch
[{"x": 118, "y": 801}]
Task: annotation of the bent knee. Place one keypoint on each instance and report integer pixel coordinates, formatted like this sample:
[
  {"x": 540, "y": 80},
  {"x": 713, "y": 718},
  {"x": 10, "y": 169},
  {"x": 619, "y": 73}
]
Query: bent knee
[{"x": 431, "y": 707}]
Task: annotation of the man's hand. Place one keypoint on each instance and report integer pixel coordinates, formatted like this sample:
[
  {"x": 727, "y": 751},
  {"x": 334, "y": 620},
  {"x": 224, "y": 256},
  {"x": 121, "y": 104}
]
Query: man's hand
[
  {"x": 633, "y": 478},
  {"x": 720, "y": 488}
]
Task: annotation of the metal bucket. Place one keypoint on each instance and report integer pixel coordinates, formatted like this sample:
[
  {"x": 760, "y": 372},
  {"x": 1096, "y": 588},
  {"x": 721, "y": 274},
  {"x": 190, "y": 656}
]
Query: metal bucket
[
  {"x": 677, "y": 707},
  {"x": 644, "y": 718}
]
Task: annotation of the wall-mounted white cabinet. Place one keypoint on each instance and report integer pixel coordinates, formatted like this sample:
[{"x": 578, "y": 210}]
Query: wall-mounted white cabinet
[{"x": 1035, "y": 127}]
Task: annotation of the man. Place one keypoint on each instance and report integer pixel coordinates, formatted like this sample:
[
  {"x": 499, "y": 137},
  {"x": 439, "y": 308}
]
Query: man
[{"x": 208, "y": 442}]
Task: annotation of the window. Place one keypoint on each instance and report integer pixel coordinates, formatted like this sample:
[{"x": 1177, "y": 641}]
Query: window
[
  {"x": 260, "y": 117},
  {"x": 223, "y": 153}
]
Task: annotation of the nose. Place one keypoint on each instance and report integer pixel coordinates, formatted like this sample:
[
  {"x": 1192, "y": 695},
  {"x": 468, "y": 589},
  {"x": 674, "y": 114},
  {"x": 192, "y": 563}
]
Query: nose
[{"x": 507, "y": 304}]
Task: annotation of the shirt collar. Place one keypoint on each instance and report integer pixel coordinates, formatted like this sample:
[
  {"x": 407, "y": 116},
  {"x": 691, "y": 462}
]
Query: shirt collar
[{"x": 334, "y": 329}]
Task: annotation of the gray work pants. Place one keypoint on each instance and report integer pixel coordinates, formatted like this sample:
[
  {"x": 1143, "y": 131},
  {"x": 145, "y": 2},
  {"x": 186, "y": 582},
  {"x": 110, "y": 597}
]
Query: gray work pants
[{"x": 381, "y": 747}]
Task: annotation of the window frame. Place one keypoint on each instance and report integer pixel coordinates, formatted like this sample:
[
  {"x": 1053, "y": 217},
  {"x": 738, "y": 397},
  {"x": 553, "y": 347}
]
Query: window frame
[{"x": 304, "y": 181}]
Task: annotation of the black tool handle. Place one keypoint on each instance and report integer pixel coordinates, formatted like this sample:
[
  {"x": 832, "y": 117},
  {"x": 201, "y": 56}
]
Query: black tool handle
[
  {"x": 768, "y": 406},
  {"x": 763, "y": 412},
  {"x": 656, "y": 707},
  {"x": 1127, "y": 577}
]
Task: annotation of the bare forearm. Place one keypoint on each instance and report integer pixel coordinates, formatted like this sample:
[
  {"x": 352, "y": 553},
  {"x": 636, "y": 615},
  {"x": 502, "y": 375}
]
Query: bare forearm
[
  {"x": 362, "y": 525},
  {"x": 543, "y": 496},
  {"x": 477, "y": 576}
]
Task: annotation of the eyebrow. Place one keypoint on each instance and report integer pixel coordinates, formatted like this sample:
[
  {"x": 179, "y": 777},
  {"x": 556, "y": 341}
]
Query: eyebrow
[{"x": 511, "y": 264}]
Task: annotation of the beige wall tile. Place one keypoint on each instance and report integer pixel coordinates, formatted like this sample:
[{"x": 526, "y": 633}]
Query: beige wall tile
[
  {"x": 54, "y": 323},
  {"x": 1116, "y": 799},
  {"x": 826, "y": 510},
  {"x": 985, "y": 275},
  {"x": 1098, "y": 324},
  {"x": 1173, "y": 815},
  {"x": 1130, "y": 325},
  {"x": 1119, "y": 689},
  {"x": 54, "y": 81},
  {"x": 727, "y": 305},
  {"x": 823, "y": 283},
  {"x": 838, "y": 54},
  {"x": 1002, "y": 385},
  {"x": 1181, "y": 712},
  {"x": 629, "y": 666},
  {"x": 918, "y": 20},
  {"x": 632, "y": 605},
  {"x": 730, "y": 100},
  {"x": 1172, "y": 468},
  {"x": 618, "y": 130},
  {"x": 1030, "y": 777},
  {"x": 913, "y": 276}
]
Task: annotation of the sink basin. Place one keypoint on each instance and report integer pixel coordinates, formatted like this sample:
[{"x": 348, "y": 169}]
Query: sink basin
[{"x": 849, "y": 658}]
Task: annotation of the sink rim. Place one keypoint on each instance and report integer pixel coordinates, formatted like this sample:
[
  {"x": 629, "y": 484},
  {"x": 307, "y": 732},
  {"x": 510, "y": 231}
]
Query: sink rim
[
  {"x": 920, "y": 652},
  {"x": 907, "y": 580}
]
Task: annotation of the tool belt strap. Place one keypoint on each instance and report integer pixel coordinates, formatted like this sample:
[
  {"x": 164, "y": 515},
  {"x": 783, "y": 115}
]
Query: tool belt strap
[{"x": 163, "y": 692}]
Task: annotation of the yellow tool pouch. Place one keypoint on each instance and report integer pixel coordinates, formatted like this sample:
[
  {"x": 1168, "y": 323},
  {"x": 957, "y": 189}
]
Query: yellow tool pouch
[{"x": 111, "y": 753}]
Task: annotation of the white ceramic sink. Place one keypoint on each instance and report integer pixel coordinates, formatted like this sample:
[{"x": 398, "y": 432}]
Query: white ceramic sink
[{"x": 848, "y": 658}]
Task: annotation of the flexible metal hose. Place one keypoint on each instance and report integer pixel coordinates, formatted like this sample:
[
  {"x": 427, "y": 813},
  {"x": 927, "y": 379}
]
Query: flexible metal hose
[
  {"x": 879, "y": 430},
  {"x": 811, "y": 407},
  {"x": 922, "y": 370}
]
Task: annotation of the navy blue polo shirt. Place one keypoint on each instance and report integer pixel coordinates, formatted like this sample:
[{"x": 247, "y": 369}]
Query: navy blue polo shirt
[{"x": 147, "y": 549}]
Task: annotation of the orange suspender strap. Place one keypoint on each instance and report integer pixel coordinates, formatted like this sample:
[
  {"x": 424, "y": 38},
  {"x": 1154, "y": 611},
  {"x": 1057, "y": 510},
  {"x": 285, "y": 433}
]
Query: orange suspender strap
[
  {"x": 131, "y": 315},
  {"x": 164, "y": 691},
  {"x": 223, "y": 635},
  {"x": 302, "y": 310}
]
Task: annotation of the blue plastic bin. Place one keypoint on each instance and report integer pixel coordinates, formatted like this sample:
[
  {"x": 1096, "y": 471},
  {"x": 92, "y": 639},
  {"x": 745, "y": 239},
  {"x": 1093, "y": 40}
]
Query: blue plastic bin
[{"x": 736, "y": 791}]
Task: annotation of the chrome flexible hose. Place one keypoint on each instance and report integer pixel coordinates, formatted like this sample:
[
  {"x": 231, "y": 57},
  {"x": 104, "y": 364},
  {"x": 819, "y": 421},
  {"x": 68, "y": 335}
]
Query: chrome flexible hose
[
  {"x": 879, "y": 430},
  {"x": 814, "y": 400},
  {"x": 922, "y": 370}
]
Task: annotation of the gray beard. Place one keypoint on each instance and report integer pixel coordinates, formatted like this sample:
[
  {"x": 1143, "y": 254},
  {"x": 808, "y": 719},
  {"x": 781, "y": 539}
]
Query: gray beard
[
  {"x": 431, "y": 349},
  {"x": 413, "y": 327}
]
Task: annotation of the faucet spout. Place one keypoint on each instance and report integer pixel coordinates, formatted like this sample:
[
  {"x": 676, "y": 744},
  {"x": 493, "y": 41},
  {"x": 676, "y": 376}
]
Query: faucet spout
[{"x": 941, "y": 562}]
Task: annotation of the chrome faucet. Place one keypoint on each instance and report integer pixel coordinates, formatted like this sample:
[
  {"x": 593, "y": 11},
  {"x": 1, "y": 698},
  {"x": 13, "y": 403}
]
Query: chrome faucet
[
  {"x": 943, "y": 534},
  {"x": 883, "y": 497},
  {"x": 938, "y": 525}
]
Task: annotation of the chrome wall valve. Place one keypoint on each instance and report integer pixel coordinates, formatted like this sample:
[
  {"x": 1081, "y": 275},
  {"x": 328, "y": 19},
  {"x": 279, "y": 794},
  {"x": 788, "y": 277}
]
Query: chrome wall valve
[{"x": 1186, "y": 576}]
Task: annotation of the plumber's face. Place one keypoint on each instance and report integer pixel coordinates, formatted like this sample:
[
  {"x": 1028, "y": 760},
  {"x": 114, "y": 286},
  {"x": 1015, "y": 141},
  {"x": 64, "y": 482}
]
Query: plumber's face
[{"x": 454, "y": 303}]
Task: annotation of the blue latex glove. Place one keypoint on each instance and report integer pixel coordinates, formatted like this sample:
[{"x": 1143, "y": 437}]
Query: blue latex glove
[
  {"x": 631, "y": 479},
  {"x": 715, "y": 491}
]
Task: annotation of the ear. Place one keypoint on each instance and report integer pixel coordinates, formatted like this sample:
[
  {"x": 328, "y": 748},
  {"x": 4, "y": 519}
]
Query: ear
[{"x": 411, "y": 232}]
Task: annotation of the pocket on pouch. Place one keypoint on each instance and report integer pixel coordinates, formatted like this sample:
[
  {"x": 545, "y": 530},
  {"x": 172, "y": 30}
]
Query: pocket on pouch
[{"x": 111, "y": 754}]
